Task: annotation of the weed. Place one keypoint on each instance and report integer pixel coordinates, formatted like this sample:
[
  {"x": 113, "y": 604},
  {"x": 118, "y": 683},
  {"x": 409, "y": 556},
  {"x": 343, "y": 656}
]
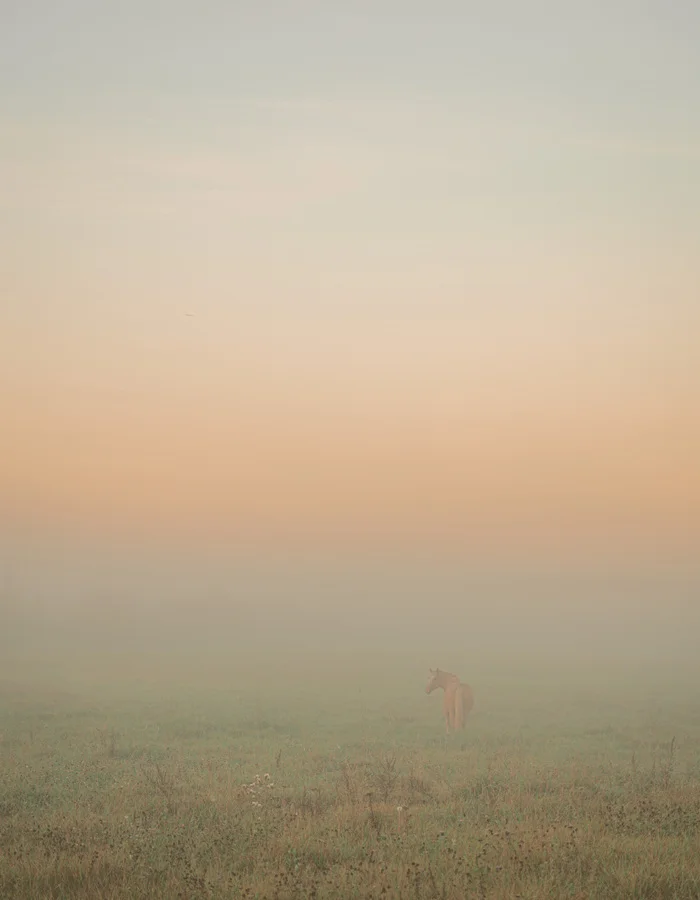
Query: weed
[{"x": 568, "y": 813}]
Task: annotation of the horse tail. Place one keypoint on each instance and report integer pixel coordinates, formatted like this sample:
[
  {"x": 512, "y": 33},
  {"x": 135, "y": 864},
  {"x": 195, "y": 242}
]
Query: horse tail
[
  {"x": 459, "y": 707},
  {"x": 467, "y": 696}
]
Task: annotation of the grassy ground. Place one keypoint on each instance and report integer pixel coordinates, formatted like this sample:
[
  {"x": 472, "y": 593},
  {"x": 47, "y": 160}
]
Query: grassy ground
[{"x": 249, "y": 783}]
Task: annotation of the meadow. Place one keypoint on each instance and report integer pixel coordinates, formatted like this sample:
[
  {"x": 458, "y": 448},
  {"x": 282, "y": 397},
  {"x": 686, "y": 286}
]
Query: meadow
[{"x": 204, "y": 778}]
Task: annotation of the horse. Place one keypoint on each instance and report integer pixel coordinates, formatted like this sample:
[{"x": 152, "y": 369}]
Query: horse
[{"x": 458, "y": 701}]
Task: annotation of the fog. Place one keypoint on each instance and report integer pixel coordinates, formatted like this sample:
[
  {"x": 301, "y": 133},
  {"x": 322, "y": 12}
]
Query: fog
[
  {"x": 158, "y": 606},
  {"x": 340, "y": 342}
]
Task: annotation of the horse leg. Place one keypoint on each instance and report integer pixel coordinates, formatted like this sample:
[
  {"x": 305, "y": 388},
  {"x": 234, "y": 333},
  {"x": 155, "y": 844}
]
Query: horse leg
[{"x": 447, "y": 712}]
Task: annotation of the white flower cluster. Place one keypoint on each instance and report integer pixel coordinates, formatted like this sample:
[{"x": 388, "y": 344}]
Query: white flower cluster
[{"x": 258, "y": 785}]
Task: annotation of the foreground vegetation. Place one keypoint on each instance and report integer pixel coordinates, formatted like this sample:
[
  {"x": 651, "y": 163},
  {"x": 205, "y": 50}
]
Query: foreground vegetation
[{"x": 238, "y": 786}]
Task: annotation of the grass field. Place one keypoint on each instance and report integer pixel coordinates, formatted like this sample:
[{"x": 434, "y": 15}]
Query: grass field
[{"x": 335, "y": 780}]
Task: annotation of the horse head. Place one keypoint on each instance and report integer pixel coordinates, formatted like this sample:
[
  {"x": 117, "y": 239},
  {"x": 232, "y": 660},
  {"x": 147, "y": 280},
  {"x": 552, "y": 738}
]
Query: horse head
[{"x": 433, "y": 681}]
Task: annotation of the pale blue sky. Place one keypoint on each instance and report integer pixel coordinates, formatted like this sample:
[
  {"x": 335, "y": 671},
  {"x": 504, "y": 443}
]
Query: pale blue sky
[{"x": 368, "y": 148}]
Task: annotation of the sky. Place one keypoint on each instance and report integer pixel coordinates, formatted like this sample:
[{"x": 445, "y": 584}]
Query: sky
[{"x": 352, "y": 275}]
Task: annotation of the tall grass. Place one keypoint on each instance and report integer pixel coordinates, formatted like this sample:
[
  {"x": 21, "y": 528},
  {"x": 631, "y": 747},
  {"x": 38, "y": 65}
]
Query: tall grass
[{"x": 281, "y": 790}]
